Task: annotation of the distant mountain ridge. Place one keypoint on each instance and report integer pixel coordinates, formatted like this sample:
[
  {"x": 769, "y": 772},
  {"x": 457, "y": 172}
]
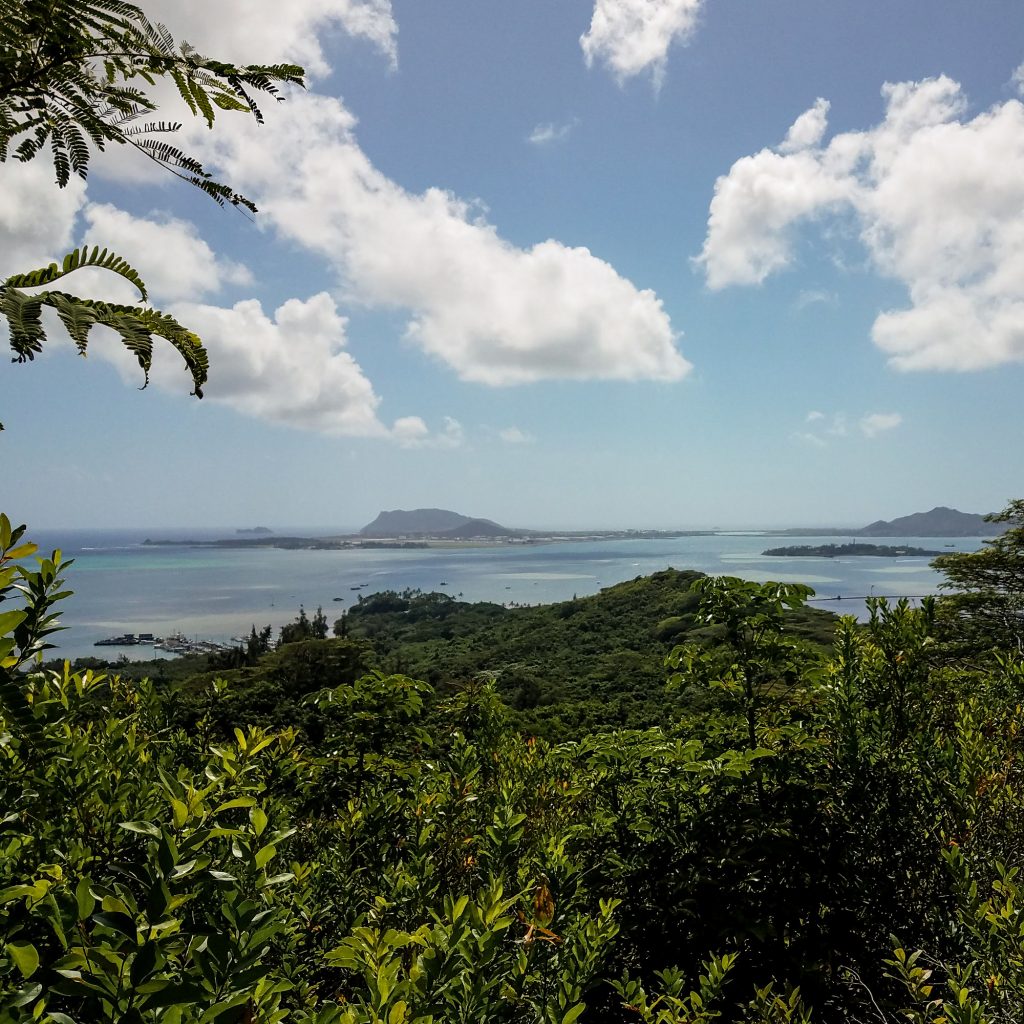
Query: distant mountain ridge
[
  {"x": 433, "y": 522},
  {"x": 939, "y": 522},
  {"x": 480, "y": 528},
  {"x": 443, "y": 524}
]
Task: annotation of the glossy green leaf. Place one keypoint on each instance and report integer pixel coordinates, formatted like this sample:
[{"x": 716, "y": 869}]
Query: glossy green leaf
[{"x": 25, "y": 957}]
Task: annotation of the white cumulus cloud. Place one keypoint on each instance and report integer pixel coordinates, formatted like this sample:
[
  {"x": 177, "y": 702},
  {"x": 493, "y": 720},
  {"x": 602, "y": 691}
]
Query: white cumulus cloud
[
  {"x": 272, "y": 32},
  {"x": 548, "y": 132},
  {"x": 496, "y": 313},
  {"x": 1018, "y": 79},
  {"x": 37, "y": 220},
  {"x": 169, "y": 254},
  {"x": 808, "y": 129},
  {"x": 875, "y": 423},
  {"x": 939, "y": 202},
  {"x": 289, "y": 368},
  {"x": 822, "y": 426},
  {"x": 248, "y": 32},
  {"x": 633, "y": 36},
  {"x": 413, "y": 432},
  {"x": 39, "y": 223},
  {"x": 513, "y": 435},
  {"x": 754, "y": 208}
]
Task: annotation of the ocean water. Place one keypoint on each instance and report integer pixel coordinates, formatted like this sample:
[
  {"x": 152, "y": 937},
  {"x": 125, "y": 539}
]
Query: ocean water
[{"x": 214, "y": 594}]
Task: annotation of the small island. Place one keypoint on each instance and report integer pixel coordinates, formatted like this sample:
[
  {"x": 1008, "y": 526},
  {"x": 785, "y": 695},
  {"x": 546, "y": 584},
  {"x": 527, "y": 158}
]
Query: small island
[{"x": 841, "y": 550}]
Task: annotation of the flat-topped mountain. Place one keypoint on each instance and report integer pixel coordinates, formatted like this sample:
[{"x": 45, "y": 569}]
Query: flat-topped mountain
[
  {"x": 939, "y": 522},
  {"x": 432, "y": 522}
]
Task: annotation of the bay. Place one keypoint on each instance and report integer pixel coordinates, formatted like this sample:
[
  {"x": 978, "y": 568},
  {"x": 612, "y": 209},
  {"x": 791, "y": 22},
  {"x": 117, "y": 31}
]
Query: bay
[{"x": 122, "y": 585}]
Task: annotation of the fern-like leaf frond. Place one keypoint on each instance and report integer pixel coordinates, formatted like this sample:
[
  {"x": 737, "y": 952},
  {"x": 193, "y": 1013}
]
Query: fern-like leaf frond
[
  {"x": 135, "y": 325},
  {"x": 73, "y": 77},
  {"x": 77, "y": 318},
  {"x": 24, "y": 315},
  {"x": 77, "y": 259}
]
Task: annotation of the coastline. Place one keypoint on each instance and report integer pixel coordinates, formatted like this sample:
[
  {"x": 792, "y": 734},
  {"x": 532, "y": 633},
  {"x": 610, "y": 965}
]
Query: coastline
[
  {"x": 355, "y": 542},
  {"x": 216, "y": 592}
]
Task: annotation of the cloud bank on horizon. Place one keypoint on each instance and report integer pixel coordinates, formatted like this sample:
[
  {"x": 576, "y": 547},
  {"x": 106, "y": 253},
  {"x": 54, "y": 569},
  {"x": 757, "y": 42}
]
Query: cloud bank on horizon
[{"x": 938, "y": 202}]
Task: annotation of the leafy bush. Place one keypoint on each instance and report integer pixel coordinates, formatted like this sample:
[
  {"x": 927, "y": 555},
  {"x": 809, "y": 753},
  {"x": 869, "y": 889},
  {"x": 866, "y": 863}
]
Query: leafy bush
[{"x": 839, "y": 833}]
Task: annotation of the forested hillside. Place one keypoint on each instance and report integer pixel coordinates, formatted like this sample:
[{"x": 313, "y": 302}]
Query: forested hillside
[
  {"x": 806, "y": 833},
  {"x": 562, "y": 670}
]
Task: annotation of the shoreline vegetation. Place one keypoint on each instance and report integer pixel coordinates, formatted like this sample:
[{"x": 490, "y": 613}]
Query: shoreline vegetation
[{"x": 854, "y": 550}]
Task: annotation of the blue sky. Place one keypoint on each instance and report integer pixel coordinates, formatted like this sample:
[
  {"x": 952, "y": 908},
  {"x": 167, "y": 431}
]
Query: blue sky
[{"x": 611, "y": 263}]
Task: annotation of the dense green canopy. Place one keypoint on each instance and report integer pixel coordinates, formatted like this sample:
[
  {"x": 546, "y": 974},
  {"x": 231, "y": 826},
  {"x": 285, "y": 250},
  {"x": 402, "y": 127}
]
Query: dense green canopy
[
  {"x": 306, "y": 839},
  {"x": 985, "y": 610}
]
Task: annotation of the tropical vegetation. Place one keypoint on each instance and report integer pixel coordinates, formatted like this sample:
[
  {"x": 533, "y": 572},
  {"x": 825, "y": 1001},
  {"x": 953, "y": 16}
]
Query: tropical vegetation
[{"x": 806, "y": 834}]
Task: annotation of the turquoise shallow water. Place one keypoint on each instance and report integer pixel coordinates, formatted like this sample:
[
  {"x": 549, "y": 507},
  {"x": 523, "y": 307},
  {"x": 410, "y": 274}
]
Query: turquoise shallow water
[{"x": 121, "y": 586}]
